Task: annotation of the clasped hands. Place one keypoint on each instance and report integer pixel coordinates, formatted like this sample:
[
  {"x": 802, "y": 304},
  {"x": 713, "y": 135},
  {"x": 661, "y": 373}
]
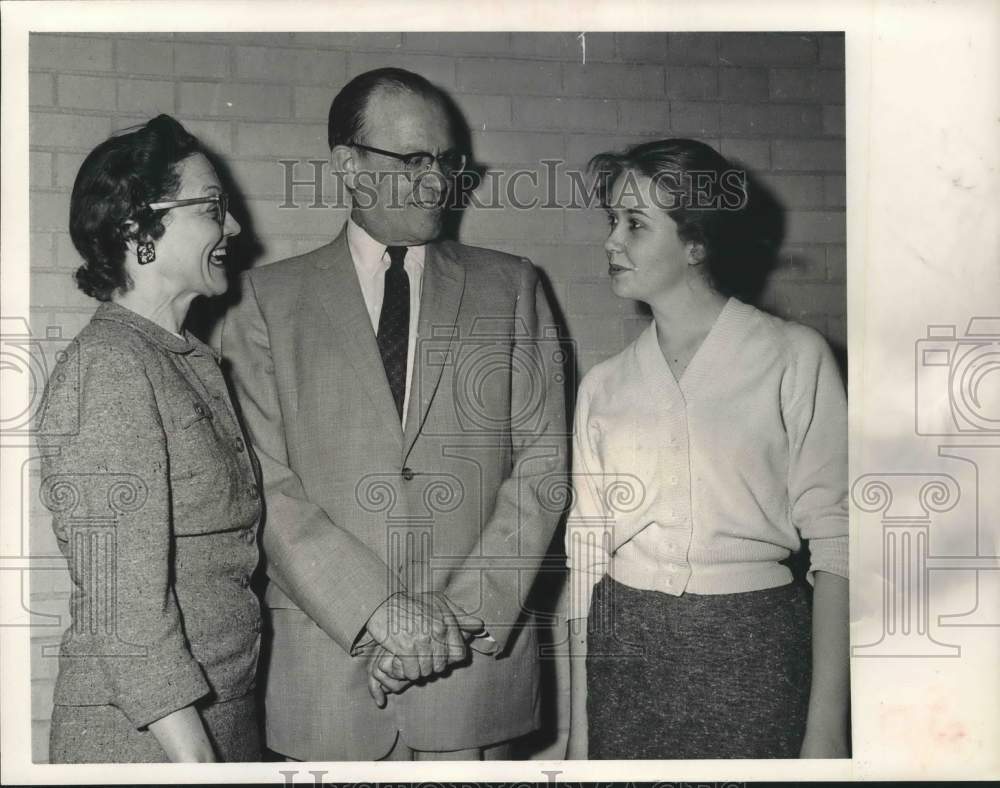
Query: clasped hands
[{"x": 418, "y": 636}]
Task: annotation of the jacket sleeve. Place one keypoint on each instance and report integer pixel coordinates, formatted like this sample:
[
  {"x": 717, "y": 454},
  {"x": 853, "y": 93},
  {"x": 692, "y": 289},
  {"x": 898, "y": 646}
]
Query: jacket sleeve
[
  {"x": 588, "y": 537},
  {"x": 113, "y": 471},
  {"x": 816, "y": 420},
  {"x": 324, "y": 570},
  {"x": 529, "y": 501}
]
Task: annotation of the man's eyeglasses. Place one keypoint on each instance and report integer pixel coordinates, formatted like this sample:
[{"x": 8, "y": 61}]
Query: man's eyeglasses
[
  {"x": 450, "y": 161},
  {"x": 220, "y": 201}
]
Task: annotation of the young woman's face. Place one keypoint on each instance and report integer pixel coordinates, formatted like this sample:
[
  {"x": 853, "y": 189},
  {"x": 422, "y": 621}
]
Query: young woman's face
[
  {"x": 191, "y": 253},
  {"x": 645, "y": 256}
]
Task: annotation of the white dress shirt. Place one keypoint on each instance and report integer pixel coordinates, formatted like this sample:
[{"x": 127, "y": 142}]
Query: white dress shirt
[{"x": 371, "y": 261}]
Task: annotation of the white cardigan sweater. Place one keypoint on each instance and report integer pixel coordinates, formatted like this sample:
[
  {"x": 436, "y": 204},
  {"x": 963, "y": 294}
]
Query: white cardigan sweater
[{"x": 704, "y": 485}]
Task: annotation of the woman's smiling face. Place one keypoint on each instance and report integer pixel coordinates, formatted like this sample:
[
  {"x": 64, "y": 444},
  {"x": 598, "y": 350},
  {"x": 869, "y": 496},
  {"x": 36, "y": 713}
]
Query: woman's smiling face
[
  {"x": 191, "y": 253},
  {"x": 645, "y": 256}
]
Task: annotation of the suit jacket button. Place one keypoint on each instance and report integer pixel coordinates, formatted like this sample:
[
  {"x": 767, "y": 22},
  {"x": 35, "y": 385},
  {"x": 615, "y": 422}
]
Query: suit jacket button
[
  {"x": 408, "y": 474},
  {"x": 240, "y": 445},
  {"x": 254, "y": 492}
]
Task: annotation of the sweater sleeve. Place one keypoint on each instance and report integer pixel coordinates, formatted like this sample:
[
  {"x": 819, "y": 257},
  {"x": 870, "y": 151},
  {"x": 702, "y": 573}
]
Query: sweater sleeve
[
  {"x": 113, "y": 470},
  {"x": 816, "y": 420},
  {"x": 588, "y": 537}
]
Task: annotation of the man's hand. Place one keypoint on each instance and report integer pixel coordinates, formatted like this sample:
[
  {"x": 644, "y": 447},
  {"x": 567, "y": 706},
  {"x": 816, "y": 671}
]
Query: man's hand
[
  {"x": 383, "y": 669},
  {"x": 424, "y": 631}
]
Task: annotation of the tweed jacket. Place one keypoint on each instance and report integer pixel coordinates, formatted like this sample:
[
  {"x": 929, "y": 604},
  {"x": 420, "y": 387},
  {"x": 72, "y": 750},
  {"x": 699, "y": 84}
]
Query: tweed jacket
[
  {"x": 155, "y": 500},
  {"x": 357, "y": 509}
]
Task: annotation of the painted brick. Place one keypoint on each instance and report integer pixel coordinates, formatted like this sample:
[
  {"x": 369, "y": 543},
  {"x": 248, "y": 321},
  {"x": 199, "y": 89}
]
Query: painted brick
[
  {"x": 69, "y": 53},
  {"x": 755, "y": 154},
  {"x": 379, "y": 40},
  {"x": 641, "y": 46},
  {"x": 235, "y": 100},
  {"x": 798, "y": 191},
  {"x": 201, "y": 60},
  {"x": 267, "y": 178},
  {"x": 282, "y": 139},
  {"x": 836, "y": 263},
  {"x": 439, "y": 70},
  {"x": 587, "y": 225},
  {"x": 836, "y": 332},
  {"x": 568, "y": 261},
  {"x": 514, "y": 147},
  {"x": 743, "y": 84},
  {"x": 568, "y": 113},
  {"x": 313, "y": 102},
  {"x": 146, "y": 96},
  {"x": 806, "y": 84},
  {"x": 694, "y": 82},
  {"x": 808, "y": 155},
  {"x": 40, "y": 90},
  {"x": 41, "y": 251},
  {"x": 49, "y": 211},
  {"x": 492, "y": 76},
  {"x": 613, "y": 80},
  {"x": 595, "y": 47},
  {"x": 787, "y": 120},
  {"x": 484, "y": 225},
  {"x": 802, "y": 264},
  {"x": 42, "y": 666},
  {"x": 835, "y": 191},
  {"x": 799, "y": 299},
  {"x": 143, "y": 57},
  {"x": 694, "y": 117},
  {"x": 831, "y": 49},
  {"x": 70, "y": 323},
  {"x": 56, "y": 290},
  {"x": 693, "y": 49},
  {"x": 833, "y": 120},
  {"x": 484, "y": 112},
  {"x": 471, "y": 43},
  {"x": 272, "y": 222},
  {"x": 652, "y": 116},
  {"x": 580, "y": 147},
  {"x": 598, "y": 336},
  {"x": 85, "y": 92},
  {"x": 50, "y": 581},
  {"x": 66, "y": 254},
  {"x": 768, "y": 49},
  {"x": 291, "y": 65},
  {"x": 67, "y": 165},
  {"x": 217, "y": 135},
  {"x": 40, "y": 741},
  {"x": 249, "y": 39},
  {"x": 632, "y": 327},
  {"x": 39, "y": 170},
  {"x": 816, "y": 227}
]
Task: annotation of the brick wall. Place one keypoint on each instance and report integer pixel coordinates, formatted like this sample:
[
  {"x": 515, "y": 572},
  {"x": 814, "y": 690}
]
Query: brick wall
[{"x": 773, "y": 101}]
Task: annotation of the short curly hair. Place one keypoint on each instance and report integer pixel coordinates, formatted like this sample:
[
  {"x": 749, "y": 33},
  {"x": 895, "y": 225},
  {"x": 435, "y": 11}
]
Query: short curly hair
[
  {"x": 706, "y": 196},
  {"x": 116, "y": 182}
]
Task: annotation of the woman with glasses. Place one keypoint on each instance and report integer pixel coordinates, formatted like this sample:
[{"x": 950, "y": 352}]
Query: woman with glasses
[{"x": 154, "y": 489}]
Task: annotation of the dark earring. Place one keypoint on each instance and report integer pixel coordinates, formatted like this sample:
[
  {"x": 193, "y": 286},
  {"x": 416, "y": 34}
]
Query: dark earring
[{"x": 146, "y": 252}]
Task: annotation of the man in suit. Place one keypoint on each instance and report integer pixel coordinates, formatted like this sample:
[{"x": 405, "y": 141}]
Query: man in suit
[{"x": 405, "y": 397}]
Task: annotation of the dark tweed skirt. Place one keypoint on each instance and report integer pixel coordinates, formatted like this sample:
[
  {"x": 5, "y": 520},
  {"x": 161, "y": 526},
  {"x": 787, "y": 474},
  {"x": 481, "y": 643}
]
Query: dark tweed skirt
[
  {"x": 102, "y": 734},
  {"x": 697, "y": 676}
]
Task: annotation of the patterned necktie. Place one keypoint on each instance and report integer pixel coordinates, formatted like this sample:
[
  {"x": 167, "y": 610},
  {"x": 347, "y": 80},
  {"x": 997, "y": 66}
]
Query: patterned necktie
[{"x": 394, "y": 325}]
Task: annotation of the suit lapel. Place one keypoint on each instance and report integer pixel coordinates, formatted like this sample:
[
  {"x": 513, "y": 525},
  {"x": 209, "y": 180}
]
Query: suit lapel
[
  {"x": 441, "y": 296},
  {"x": 335, "y": 284}
]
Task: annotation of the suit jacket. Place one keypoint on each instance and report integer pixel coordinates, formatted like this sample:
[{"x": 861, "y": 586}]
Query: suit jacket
[
  {"x": 156, "y": 500},
  {"x": 355, "y": 509}
]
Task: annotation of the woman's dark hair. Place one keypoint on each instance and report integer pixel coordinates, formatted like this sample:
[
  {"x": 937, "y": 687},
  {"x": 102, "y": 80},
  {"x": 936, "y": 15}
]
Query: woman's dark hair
[
  {"x": 115, "y": 183},
  {"x": 346, "y": 122},
  {"x": 705, "y": 195}
]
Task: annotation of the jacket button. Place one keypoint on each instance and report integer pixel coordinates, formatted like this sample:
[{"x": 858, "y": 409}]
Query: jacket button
[
  {"x": 408, "y": 474},
  {"x": 245, "y": 581},
  {"x": 256, "y": 625},
  {"x": 248, "y": 535},
  {"x": 254, "y": 492},
  {"x": 240, "y": 445}
]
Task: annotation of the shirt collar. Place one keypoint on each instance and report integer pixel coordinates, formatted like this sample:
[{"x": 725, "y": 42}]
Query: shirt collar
[
  {"x": 185, "y": 343},
  {"x": 369, "y": 254}
]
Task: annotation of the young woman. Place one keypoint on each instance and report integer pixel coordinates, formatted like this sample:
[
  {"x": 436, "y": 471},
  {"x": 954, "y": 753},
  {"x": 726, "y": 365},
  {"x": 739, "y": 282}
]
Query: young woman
[
  {"x": 703, "y": 453},
  {"x": 154, "y": 488}
]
